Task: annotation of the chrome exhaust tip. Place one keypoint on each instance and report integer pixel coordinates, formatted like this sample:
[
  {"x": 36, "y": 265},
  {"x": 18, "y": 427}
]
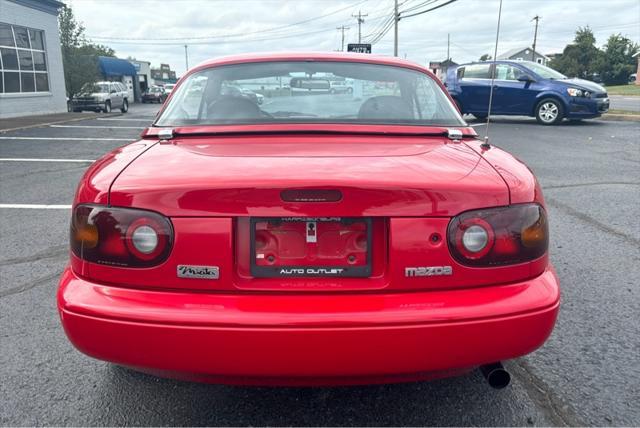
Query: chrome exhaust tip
[{"x": 496, "y": 375}]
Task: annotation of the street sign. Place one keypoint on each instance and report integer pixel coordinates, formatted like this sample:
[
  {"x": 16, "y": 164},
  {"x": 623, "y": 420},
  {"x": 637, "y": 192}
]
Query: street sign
[{"x": 359, "y": 47}]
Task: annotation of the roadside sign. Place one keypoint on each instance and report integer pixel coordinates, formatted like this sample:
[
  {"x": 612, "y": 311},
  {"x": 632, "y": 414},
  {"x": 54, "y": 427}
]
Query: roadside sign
[{"x": 359, "y": 47}]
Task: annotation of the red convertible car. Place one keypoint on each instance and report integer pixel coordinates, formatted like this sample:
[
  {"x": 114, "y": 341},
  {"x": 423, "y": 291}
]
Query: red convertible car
[{"x": 320, "y": 238}]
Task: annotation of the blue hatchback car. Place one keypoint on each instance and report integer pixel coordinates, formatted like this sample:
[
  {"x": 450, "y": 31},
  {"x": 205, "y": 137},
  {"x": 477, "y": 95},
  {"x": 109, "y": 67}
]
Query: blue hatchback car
[{"x": 524, "y": 88}]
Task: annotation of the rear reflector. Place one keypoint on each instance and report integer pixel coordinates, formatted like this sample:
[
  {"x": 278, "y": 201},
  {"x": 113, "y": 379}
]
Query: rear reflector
[{"x": 311, "y": 195}]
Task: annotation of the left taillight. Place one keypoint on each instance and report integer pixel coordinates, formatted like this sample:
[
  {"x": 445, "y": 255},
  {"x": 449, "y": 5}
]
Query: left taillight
[
  {"x": 120, "y": 236},
  {"x": 499, "y": 236}
]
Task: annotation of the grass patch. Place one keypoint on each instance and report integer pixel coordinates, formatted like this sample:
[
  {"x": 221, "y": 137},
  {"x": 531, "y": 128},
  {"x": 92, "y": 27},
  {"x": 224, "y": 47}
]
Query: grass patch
[{"x": 624, "y": 90}]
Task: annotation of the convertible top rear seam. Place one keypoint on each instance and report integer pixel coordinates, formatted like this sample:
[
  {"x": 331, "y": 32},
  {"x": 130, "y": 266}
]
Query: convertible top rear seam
[
  {"x": 122, "y": 170},
  {"x": 495, "y": 169}
]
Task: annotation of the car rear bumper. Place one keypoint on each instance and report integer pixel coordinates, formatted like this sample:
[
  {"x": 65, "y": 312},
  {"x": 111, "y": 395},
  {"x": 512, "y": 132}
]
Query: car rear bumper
[
  {"x": 307, "y": 339},
  {"x": 86, "y": 105}
]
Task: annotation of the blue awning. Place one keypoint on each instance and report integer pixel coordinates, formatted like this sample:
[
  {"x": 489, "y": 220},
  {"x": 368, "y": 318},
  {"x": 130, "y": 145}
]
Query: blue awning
[{"x": 110, "y": 66}]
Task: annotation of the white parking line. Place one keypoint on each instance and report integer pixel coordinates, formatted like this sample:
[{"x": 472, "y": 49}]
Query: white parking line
[
  {"x": 97, "y": 126},
  {"x": 36, "y": 206},
  {"x": 67, "y": 138},
  {"x": 45, "y": 160},
  {"x": 150, "y": 119},
  {"x": 477, "y": 124}
]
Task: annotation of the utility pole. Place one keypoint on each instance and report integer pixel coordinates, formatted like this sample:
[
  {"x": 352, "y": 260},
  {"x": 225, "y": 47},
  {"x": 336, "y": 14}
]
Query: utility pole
[
  {"x": 186, "y": 58},
  {"x": 360, "y": 18},
  {"x": 342, "y": 28},
  {"x": 535, "y": 38},
  {"x": 448, "y": 44},
  {"x": 396, "y": 18}
]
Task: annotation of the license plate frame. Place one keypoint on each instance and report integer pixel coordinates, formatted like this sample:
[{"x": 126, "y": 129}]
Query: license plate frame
[{"x": 311, "y": 271}]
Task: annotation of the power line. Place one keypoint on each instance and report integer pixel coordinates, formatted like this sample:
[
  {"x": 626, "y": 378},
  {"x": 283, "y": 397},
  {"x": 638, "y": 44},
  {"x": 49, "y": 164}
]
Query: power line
[
  {"x": 383, "y": 32},
  {"x": 418, "y": 6},
  {"x": 514, "y": 34},
  {"x": 464, "y": 49},
  {"x": 383, "y": 28},
  {"x": 380, "y": 31},
  {"x": 264, "y": 39},
  {"x": 232, "y": 34},
  {"x": 392, "y": 22},
  {"x": 428, "y": 10},
  {"x": 277, "y": 36},
  {"x": 380, "y": 27}
]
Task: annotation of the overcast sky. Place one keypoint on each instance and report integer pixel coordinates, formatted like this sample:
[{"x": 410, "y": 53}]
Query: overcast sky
[{"x": 222, "y": 27}]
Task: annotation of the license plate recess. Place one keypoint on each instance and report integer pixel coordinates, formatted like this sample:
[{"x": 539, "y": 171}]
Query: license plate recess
[{"x": 310, "y": 247}]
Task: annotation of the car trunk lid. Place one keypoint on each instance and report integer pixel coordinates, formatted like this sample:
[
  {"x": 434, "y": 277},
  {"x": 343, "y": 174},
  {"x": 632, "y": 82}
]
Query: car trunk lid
[
  {"x": 246, "y": 175},
  {"x": 309, "y": 213}
]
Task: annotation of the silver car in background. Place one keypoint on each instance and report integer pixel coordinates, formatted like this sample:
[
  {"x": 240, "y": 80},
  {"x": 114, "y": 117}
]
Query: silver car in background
[
  {"x": 101, "y": 96},
  {"x": 169, "y": 87}
]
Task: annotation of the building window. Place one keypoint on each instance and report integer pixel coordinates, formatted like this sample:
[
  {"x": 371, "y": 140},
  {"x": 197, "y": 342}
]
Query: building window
[
  {"x": 540, "y": 61},
  {"x": 23, "y": 60}
]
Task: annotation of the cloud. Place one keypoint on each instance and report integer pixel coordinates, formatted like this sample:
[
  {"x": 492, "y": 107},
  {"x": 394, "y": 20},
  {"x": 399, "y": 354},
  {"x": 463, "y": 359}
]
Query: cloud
[{"x": 471, "y": 25}]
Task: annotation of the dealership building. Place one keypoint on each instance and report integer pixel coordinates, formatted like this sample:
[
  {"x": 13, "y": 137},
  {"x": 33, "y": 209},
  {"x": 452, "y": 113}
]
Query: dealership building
[
  {"x": 31, "y": 73},
  {"x": 143, "y": 70},
  {"x": 119, "y": 70}
]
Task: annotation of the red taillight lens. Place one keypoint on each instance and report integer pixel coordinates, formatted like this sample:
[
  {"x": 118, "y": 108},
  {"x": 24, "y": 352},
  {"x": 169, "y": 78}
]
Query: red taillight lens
[
  {"x": 499, "y": 236},
  {"x": 120, "y": 236}
]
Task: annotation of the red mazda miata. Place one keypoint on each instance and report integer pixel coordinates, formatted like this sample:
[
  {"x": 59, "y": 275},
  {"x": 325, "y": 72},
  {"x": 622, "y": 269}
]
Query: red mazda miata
[{"x": 316, "y": 237}]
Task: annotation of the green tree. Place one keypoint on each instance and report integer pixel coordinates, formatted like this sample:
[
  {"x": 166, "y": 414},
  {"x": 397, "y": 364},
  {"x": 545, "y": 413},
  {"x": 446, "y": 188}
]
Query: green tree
[
  {"x": 95, "y": 50},
  {"x": 79, "y": 56},
  {"x": 485, "y": 57},
  {"x": 617, "y": 61},
  {"x": 585, "y": 37},
  {"x": 71, "y": 33},
  {"x": 581, "y": 58}
]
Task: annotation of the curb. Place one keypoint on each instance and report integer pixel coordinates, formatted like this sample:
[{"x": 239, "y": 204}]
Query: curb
[
  {"x": 622, "y": 117},
  {"x": 75, "y": 119}
]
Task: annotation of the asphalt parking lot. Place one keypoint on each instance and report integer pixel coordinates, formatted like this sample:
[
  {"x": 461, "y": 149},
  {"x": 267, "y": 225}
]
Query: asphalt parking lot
[{"x": 588, "y": 373}]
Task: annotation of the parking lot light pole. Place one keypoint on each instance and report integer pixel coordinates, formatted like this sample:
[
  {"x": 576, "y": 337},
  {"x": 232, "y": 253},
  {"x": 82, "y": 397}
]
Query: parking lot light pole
[{"x": 186, "y": 58}]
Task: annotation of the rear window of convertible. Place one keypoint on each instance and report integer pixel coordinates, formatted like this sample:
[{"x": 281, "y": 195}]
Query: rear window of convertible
[{"x": 309, "y": 92}]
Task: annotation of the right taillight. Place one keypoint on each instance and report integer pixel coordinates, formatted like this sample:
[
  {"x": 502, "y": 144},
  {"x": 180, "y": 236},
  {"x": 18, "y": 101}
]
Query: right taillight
[
  {"x": 499, "y": 236},
  {"x": 120, "y": 236}
]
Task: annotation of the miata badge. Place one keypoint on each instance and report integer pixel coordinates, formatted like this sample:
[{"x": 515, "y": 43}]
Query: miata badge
[{"x": 198, "y": 272}]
